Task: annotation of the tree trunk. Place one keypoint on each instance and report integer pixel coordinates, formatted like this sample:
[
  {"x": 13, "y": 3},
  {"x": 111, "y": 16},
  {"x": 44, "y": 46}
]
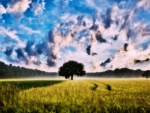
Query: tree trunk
[{"x": 72, "y": 77}]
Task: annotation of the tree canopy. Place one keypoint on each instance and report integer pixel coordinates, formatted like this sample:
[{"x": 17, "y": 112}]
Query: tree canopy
[{"x": 71, "y": 68}]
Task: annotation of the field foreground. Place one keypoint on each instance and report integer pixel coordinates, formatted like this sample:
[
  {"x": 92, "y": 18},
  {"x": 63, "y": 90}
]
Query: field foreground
[{"x": 78, "y": 96}]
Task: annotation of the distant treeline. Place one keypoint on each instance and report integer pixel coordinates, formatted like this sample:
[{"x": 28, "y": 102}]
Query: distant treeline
[
  {"x": 117, "y": 73},
  {"x": 9, "y": 71}
]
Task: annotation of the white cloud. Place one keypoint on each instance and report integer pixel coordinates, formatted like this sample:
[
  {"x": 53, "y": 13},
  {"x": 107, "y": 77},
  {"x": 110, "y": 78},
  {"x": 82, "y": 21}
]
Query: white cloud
[
  {"x": 18, "y": 7},
  {"x": 2, "y": 10},
  {"x": 144, "y": 3},
  {"x": 37, "y": 7},
  {"x": 66, "y": 40},
  {"x": 65, "y": 16},
  {"x": 98, "y": 4},
  {"x": 29, "y": 30},
  {"x": 12, "y": 34}
]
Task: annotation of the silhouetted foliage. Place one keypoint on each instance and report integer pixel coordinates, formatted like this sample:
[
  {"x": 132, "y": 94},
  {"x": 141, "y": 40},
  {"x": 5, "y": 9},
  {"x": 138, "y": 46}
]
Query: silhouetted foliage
[
  {"x": 146, "y": 74},
  {"x": 71, "y": 68},
  {"x": 117, "y": 73},
  {"x": 9, "y": 71}
]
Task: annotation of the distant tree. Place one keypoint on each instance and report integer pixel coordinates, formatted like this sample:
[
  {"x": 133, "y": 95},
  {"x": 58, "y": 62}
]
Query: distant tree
[
  {"x": 71, "y": 68},
  {"x": 146, "y": 74}
]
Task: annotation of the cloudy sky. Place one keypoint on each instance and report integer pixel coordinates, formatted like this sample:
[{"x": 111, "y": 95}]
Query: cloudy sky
[{"x": 101, "y": 34}]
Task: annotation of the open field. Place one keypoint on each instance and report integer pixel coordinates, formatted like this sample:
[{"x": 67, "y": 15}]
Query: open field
[{"x": 82, "y": 96}]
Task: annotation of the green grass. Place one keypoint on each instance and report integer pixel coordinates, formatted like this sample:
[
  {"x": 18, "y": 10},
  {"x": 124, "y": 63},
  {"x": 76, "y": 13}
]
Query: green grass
[{"x": 78, "y": 96}]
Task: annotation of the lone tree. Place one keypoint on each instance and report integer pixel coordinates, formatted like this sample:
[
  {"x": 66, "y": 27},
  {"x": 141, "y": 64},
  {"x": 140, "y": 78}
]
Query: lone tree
[{"x": 71, "y": 68}]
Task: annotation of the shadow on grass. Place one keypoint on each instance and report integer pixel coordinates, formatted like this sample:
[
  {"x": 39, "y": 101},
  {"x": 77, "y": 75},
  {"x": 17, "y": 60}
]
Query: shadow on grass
[
  {"x": 94, "y": 87},
  {"x": 31, "y": 84},
  {"x": 108, "y": 87}
]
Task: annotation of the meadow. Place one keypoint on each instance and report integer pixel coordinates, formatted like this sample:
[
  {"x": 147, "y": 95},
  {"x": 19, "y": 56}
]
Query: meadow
[{"x": 77, "y": 96}]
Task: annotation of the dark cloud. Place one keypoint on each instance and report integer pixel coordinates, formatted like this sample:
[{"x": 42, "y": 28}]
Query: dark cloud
[
  {"x": 141, "y": 61},
  {"x": 9, "y": 51},
  {"x": 30, "y": 51},
  {"x": 88, "y": 50},
  {"x": 125, "y": 21},
  {"x": 50, "y": 62},
  {"x": 80, "y": 17},
  {"x": 115, "y": 37},
  {"x": 103, "y": 64},
  {"x": 41, "y": 47},
  {"x": 94, "y": 27},
  {"x": 51, "y": 36},
  {"x": 84, "y": 23},
  {"x": 93, "y": 54},
  {"x": 72, "y": 34},
  {"x": 53, "y": 56},
  {"x": 99, "y": 37},
  {"x": 37, "y": 62},
  {"x": 21, "y": 55},
  {"x": 47, "y": 50},
  {"x": 125, "y": 46},
  {"x": 67, "y": 24},
  {"x": 107, "y": 19},
  {"x": 129, "y": 33},
  {"x": 61, "y": 24}
]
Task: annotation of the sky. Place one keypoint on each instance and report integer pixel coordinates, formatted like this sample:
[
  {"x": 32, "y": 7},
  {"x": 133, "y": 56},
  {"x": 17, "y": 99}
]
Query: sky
[{"x": 101, "y": 34}]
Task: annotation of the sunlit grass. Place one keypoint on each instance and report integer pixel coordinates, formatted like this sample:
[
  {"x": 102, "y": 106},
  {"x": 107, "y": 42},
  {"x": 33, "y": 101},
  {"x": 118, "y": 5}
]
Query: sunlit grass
[{"x": 83, "y": 96}]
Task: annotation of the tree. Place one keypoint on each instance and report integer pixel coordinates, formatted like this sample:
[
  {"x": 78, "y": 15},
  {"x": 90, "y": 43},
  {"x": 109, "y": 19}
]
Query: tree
[
  {"x": 146, "y": 74},
  {"x": 71, "y": 68}
]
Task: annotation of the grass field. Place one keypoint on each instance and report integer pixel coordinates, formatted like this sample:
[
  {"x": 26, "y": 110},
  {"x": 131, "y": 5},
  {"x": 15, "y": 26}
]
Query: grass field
[{"x": 78, "y": 96}]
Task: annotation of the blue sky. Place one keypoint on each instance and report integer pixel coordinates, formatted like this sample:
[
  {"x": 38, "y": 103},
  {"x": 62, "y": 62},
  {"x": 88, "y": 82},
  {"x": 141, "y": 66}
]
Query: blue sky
[{"x": 101, "y": 34}]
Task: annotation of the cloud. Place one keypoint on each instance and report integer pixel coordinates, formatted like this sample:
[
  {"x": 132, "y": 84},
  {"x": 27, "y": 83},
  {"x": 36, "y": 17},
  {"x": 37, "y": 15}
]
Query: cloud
[
  {"x": 9, "y": 51},
  {"x": 18, "y": 7},
  {"x": 37, "y": 7},
  {"x": 105, "y": 63},
  {"x": 125, "y": 46},
  {"x": 107, "y": 18},
  {"x": 2, "y": 10},
  {"x": 88, "y": 50},
  {"x": 29, "y": 49},
  {"x": 99, "y": 37},
  {"x": 144, "y": 3},
  {"x": 21, "y": 55},
  {"x": 98, "y": 5},
  {"x": 42, "y": 47},
  {"x": 29, "y": 30},
  {"x": 50, "y": 62},
  {"x": 11, "y": 34}
]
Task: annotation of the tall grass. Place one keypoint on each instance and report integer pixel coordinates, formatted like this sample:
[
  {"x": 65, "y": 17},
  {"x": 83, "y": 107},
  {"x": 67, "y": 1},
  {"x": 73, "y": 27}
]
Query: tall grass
[{"x": 86, "y": 96}]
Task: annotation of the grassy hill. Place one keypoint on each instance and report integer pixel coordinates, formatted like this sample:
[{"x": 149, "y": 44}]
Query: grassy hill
[{"x": 83, "y": 96}]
